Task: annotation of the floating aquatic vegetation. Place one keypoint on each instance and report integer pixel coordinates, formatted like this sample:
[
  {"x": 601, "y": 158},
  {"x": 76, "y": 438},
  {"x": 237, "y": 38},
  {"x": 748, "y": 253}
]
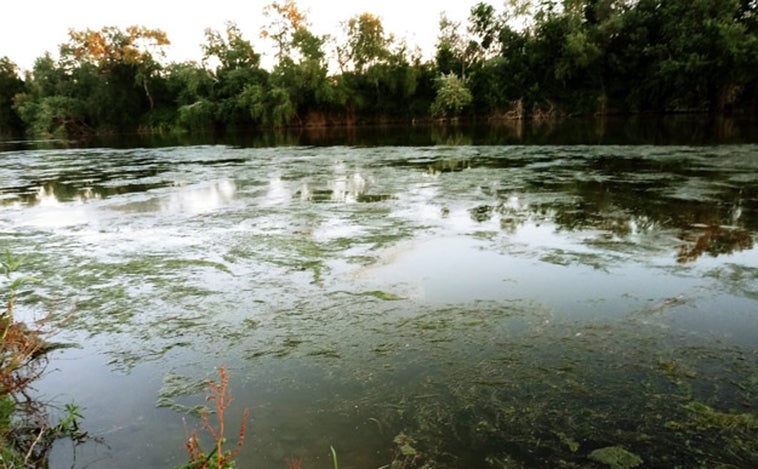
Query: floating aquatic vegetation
[
  {"x": 570, "y": 443},
  {"x": 379, "y": 294},
  {"x": 594, "y": 336},
  {"x": 616, "y": 457},
  {"x": 565, "y": 258},
  {"x": 373, "y": 198},
  {"x": 483, "y": 408},
  {"x": 176, "y": 386},
  {"x": 703, "y": 417},
  {"x": 738, "y": 278},
  {"x": 482, "y": 213}
]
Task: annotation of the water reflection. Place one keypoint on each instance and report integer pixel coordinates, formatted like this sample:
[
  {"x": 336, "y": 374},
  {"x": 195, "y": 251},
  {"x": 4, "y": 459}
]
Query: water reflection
[
  {"x": 697, "y": 239},
  {"x": 649, "y": 130},
  {"x": 198, "y": 199},
  {"x": 46, "y": 196},
  {"x": 619, "y": 194},
  {"x": 342, "y": 186},
  {"x": 713, "y": 240}
]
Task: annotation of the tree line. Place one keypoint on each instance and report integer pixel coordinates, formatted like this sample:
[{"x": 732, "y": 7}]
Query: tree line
[{"x": 532, "y": 59}]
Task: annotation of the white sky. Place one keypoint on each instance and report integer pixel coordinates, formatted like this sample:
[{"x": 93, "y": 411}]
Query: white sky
[{"x": 28, "y": 28}]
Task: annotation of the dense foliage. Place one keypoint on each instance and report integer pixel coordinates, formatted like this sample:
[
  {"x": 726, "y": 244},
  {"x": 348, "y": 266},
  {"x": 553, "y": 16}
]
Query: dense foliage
[{"x": 535, "y": 58}]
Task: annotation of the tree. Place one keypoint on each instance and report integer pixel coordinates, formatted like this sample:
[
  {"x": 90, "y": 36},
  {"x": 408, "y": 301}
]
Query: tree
[
  {"x": 452, "y": 96},
  {"x": 231, "y": 50},
  {"x": 10, "y": 86},
  {"x": 58, "y": 116},
  {"x": 238, "y": 67},
  {"x": 110, "y": 46},
  {"x": 693, "y": 55},
  {"x": 103, "y": 80},
  {"x": 484, "y": 25},
  {"x": 48, "y": 105},
  {"x": 114, "y": 51},
  {"x": 270, "y": 106},
  {"x": 299, "y": 80},
  {"x": 563, "y": 56},
  {"x": 188, "y": 82},
  {"x": 190, "y": 86},
  {"x": 366, "y": 43},
  {"x": 457, "y": 51},
  {"x": 451, "y": 55},
  {"x": 286, "y": 20},
  {"x": 388, "y": 89},
  {"x": 713, "y": 50}
]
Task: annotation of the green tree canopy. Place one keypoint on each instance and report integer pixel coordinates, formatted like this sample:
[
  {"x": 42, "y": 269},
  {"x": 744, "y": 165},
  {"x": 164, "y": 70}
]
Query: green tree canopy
[
  {"x": 10, "y": 85},
  {"x": 367, "y": 44},
  {"x": 510, "y": 60},
  {"x": 230, "y": 49}
]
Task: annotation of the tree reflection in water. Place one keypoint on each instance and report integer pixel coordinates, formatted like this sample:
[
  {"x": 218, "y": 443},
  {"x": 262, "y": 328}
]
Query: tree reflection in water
[{"x": 713, "y": 240}]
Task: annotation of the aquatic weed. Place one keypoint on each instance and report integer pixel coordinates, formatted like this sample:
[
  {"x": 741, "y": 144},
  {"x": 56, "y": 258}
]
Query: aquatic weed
[{"x": 217, "y": 458}]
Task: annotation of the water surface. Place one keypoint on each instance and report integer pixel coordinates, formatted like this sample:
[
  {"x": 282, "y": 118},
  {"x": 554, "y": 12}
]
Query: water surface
[{"x": 458, "y": 306}]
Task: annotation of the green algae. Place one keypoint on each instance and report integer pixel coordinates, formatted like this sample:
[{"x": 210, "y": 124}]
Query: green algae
[
  {"x": 616, "y": 457},
  {"x": 374, "y": 198},
  {"x": 404, "y": 445},
  {"x": 702, "y": 417},
  {"x": 378, "y": 294},
  {"x": 569, "y": 442},
  {"x": 176, "y": 386}
]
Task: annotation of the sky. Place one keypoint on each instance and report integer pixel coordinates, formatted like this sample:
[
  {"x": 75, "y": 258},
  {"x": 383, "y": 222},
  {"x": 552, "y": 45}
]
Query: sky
[{"x": 29, "y": 28}]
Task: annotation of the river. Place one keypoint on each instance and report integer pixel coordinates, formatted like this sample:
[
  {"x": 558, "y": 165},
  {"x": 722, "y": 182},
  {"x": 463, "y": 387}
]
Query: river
[{"x": 458, "y": 302}]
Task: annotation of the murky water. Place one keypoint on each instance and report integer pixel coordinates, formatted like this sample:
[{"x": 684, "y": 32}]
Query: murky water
[{"x": 457, "y": 306}]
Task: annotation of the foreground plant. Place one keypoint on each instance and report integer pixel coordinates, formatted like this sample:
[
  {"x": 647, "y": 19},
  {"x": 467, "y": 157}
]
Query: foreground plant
[
  {"x": 217, "y": 458},
  {"x": 26, "y": 436},
  {"x": 21, "y": 348}
]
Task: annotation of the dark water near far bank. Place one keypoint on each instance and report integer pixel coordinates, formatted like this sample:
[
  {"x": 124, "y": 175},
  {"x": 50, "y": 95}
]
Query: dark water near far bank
[
  {"x": 443, "y": 296},
  {"x": 637, "y": 130}
]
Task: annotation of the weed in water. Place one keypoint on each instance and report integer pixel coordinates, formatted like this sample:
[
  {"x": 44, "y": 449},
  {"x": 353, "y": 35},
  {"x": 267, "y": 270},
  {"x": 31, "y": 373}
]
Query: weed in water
[{"x": 217, "y": 458}]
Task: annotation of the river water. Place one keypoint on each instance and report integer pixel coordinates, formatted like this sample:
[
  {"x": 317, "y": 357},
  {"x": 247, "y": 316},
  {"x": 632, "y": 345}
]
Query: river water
[{"x": 456, "y": 305}]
